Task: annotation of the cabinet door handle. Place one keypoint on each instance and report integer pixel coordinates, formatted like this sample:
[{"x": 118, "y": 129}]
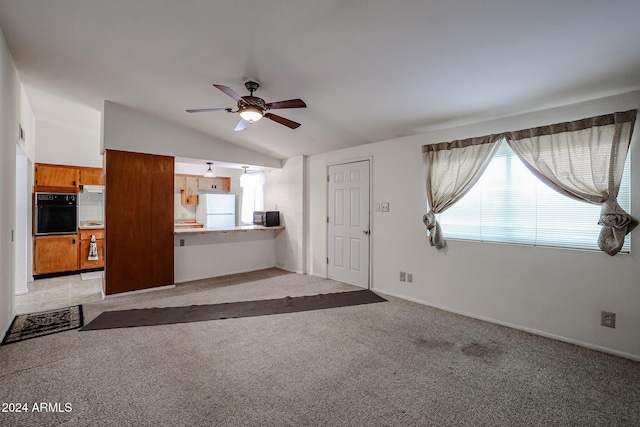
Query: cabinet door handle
[{"x": 74, "y": 241}]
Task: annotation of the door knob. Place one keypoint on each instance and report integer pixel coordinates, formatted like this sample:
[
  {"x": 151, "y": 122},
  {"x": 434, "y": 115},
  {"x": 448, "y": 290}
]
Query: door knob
[{"x": 366, "y": 231}]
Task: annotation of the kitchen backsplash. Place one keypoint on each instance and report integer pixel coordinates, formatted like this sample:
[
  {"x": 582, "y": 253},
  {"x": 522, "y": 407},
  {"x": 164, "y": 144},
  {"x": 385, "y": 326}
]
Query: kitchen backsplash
[
  {"x": 91, "y": 207},
  {"x": 180, "y": 211}
]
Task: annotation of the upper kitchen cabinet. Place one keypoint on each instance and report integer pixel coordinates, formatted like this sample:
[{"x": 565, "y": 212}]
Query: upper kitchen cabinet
[
  {"x": 179, "y": 182},
  {"x": 56, "y": 178},
  {"x": 189, "y": 195},
  {"x": 65, "y": 179},
  {"x": 91, "y": 176},
  {"x": 218, "y": 183},
  {"x": 189, "y": 185}
]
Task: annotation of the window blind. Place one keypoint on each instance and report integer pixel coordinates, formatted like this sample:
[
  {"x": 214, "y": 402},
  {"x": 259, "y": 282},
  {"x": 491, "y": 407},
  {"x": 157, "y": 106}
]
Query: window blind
[{"x": 510, "y": 205}]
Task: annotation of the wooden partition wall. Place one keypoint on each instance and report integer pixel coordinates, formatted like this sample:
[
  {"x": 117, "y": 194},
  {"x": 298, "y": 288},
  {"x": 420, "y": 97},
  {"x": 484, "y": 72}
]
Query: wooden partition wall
[{"x": 138, "y": 221}]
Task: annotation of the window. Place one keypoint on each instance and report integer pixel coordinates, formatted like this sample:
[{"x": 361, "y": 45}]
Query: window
[
  {"x": 509, "y": 204},
  {"x": 252, "y": 195}
]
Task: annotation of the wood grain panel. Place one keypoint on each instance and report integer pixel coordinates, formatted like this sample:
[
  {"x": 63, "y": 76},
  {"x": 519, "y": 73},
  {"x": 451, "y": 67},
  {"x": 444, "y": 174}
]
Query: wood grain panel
[
  {"x": 223, "y": 183},
  {"x": 83, "y": 255},
  {"x": 53, "y": 254},
  {"x": 91, "y": 176},
  {"x": 85, "y": 234},
  {"x": 47, "y": 175},
  {"x": 138, "y": 221}
]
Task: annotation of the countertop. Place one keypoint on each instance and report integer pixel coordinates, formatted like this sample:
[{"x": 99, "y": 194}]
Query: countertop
[
  {"x": 90, "y": 225},
  {"x": 241, "y": 228}
]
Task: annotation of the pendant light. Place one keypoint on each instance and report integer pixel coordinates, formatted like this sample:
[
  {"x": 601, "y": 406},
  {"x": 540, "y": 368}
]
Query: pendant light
[{"x": 209, "y": 173}]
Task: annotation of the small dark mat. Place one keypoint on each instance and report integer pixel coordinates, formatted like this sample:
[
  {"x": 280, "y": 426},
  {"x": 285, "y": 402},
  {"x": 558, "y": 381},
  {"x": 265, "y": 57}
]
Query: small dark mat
[
  {"x": 198, "y": 313},
  {"x": 49, "y": 322}
]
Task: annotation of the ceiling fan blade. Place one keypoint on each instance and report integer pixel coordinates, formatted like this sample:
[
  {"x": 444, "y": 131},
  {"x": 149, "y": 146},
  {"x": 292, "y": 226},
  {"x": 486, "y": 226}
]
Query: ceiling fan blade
[
  {"x": 289, "y": 123},
  {"x": 291, "y": 103},
  {"x": 242, "y": 125},
  {"x": 229, "y": 92},
  {"x": 204, "y": 110}
]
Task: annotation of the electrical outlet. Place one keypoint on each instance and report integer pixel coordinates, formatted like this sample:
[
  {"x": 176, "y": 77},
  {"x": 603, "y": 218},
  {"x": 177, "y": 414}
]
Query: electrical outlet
[
  {"x": 402, "y": 276},
  {"x": 384, "y": 206},
  {"x": 608, "y": 319},
  {"x": 181, "y": 242},
  {"x": 409, "y": 277}
]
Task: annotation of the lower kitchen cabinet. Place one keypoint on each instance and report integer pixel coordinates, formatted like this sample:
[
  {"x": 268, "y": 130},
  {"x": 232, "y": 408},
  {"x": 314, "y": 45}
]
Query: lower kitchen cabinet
[
  {"x": 85, "y": 246},
  {"x": 53, "y": 254}
]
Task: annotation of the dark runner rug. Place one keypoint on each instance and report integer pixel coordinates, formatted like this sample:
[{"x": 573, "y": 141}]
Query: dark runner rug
[
  {"x": 198, "y": 313},
  {"x": 49, "y": 322}
]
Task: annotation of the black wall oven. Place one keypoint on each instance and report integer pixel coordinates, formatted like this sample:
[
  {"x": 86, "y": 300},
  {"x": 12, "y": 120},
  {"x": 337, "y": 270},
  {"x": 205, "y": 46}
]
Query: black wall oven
[{"x": 56, "y": 213}]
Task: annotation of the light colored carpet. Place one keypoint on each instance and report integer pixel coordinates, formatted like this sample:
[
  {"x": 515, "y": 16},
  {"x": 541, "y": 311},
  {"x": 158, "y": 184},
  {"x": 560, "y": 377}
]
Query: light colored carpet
[{"x": 394, "y": 363}]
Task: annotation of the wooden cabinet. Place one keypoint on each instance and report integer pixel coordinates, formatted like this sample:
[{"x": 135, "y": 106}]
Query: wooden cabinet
[
  {"x": 223, "y": 183},
  {"x": 189, "y": 196},
  {"x": 56, "y": 178},
  {"x": 189, "y": 185},
  {"x": 91, "y": 176},
  {"x": 206, "y": 184},
  {"x": 179, "y": 182},
  {"x": 85, "y": 244},
  {"x": 65, "y": 179},
  {"x": 53, "y": 254},
  {"x": 218, "y": 183}
]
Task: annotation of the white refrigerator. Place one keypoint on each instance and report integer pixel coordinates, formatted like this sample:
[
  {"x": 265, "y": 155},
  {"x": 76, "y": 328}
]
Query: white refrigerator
[{"x": 216, "y": 210}]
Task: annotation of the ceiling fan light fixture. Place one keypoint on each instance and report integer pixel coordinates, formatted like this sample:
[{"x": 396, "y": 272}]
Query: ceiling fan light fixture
[
  {"x": 251, "y": 113},
  {"x": 209, "y": 173}
]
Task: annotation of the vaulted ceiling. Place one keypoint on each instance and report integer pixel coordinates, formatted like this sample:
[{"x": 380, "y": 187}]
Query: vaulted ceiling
[{"x": 368, "y": 70}]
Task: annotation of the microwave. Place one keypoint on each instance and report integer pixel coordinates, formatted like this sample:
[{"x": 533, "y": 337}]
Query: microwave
[{"x": 266, "y": 218}]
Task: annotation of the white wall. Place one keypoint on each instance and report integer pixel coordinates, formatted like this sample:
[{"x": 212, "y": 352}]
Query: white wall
[
  {"x": 553, "y": 292},
  {"x": 284, "y": 192},
  {"x": 127, "y": 129},
  {"x": 65, "y": 145},
  {"x": 13, "y": 110},
  {"x": 25, "y": 153},
  {"x": 218, "y": 254}
]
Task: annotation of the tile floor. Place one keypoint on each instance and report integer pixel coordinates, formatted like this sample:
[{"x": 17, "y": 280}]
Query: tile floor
[{"x": 58, "y": 292}]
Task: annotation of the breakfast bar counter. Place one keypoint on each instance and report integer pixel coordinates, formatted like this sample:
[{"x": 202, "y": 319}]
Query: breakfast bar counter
[
  {"x": 240, "y": 228},
  {"x": 201, "y": 253}
]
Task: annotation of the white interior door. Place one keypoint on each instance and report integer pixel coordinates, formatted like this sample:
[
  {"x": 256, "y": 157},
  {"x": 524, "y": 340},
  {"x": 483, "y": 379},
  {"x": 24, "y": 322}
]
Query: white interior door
[{"x": 348, "y": 223}]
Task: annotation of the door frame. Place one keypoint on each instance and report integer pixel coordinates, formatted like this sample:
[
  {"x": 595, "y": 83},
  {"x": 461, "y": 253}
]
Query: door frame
[{"x": 368, "y": 159}]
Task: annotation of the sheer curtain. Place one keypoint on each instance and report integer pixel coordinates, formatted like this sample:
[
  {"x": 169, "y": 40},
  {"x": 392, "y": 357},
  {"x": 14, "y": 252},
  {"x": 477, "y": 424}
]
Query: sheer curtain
[
  {"x": 451, "y": 170},
  {"x": 583, "y": 159},
  {"x": 252, "y": 195}
]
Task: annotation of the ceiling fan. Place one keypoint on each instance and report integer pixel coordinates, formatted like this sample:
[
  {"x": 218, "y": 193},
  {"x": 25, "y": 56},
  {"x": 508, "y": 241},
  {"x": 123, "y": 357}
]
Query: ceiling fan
[{"x": 252, "y": 108}]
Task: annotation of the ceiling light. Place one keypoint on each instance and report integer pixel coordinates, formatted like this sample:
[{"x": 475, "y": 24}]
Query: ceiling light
[
  {"x": 251, "y": 113},
  {"x": 209, "y": 173}
]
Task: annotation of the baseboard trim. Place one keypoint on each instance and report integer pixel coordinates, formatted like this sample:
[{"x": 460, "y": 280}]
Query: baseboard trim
[
  {"x": 573, "y": 341},
  {"x": 183, "y": 280},
  {"x": 26, "y": 291},
  {"x": 139, "y": 291}
]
